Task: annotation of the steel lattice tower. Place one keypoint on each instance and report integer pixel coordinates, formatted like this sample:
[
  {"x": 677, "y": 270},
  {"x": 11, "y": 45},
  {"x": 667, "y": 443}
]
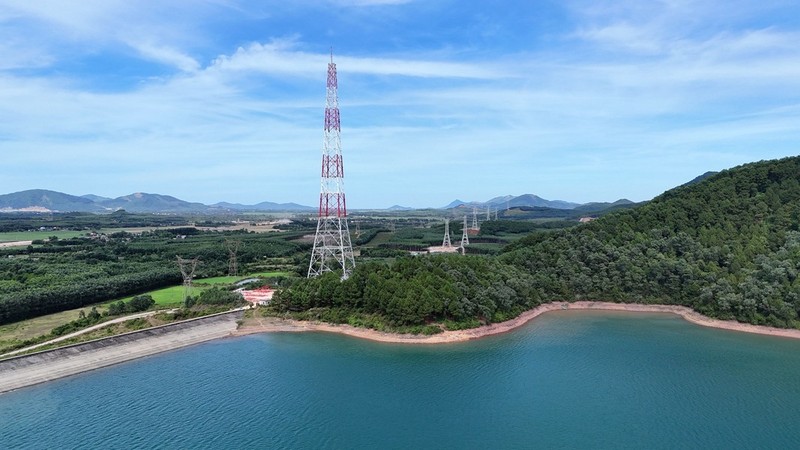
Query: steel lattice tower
[
  {"x": 187, "y": 267},
  {"x": 464, "y": 234},
  {"x": 332, "y": 247}
]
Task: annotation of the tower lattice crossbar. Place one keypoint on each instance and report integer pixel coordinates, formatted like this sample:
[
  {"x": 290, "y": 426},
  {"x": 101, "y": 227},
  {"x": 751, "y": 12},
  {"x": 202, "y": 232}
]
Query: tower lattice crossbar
[
  {"x": 332, "y": 247},
  {"x": 188, "y": 267}
]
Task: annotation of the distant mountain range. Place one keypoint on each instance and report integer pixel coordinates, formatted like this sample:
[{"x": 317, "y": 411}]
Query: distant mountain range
[
  {"x": 41, "y": 200},
  {"x": 534, "y": 201},
  {"x": 263, "y": 206}
]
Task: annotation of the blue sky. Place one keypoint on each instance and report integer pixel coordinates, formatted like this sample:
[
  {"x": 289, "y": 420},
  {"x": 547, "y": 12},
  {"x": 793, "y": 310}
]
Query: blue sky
[{"x": 222, "y": 100}]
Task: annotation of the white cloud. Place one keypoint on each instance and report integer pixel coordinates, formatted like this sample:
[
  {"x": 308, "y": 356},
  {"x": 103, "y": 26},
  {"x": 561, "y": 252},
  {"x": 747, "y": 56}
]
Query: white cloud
[
  {"x": 278, "y": 57},
  {"x": 629, "y": 92},
  {"x": 82, "y": 18},
  {"x": 155, "y": 32},
  {"x": 166, "y": 55},
  {"x": 18, "y": 54},
  {"x": 623, "y": 36}
]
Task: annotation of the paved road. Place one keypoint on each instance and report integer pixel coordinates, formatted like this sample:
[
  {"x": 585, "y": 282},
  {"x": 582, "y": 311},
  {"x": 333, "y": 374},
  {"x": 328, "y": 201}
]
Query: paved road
[
  {"x": 85, "y": 330},
  {"x": 28, "y": 370}
]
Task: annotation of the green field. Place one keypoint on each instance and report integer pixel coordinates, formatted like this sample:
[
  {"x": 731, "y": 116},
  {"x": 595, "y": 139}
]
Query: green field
[
  {"x": 31, "y": 328},
  {"x": 167, "y": 297},
  {"x": 13, "y": 236},
  {"x": 173, "y": 295}
]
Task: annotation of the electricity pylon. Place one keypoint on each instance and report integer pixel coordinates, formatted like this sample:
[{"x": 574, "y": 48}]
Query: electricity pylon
[
  {"x": 233, "y": 248},
  {"x": 187, "y": 267},
  {"x": 332, "y": 248}
]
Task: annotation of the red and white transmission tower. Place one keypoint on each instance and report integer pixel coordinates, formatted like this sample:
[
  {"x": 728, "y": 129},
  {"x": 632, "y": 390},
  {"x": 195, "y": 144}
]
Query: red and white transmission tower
[{"x": 332, "y": 248}]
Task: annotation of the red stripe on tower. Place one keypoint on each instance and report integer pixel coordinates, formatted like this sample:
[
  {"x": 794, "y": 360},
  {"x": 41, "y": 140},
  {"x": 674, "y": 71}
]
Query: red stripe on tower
[
  {"x": 332, "y": 119},
  {"x": 332, "y": 247}
]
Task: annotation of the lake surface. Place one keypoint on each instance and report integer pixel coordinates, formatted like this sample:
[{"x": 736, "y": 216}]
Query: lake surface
[{"x": 572, "y": 379}]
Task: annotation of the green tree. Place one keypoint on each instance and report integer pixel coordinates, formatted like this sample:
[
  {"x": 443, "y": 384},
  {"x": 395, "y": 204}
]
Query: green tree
[
  {"x": 94, "y": 315},
  {"x": 116, "y": 308},
  {"x": 140, "y": 303}
]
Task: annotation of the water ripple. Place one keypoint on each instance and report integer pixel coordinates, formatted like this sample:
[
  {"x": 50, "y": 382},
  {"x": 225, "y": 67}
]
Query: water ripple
[{"x": 566, "y": 380}]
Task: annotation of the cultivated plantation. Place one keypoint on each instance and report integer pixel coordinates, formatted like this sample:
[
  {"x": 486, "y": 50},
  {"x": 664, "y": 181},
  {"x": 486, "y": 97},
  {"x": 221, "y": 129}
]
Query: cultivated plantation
[
  {"x": 79, "y": 267},
  {"x": 727, "y": 246}
]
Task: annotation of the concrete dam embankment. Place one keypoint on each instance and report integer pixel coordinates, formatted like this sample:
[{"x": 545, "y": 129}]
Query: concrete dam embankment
[{"x": 27, "y": 370}]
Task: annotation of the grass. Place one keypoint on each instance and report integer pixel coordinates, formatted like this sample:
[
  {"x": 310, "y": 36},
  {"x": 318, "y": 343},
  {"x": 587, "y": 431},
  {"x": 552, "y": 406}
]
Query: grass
[
  {"x": 110, "y": 330},
  {"x": 171, "y": 296},
  {"x": 166, "y": 297},
  {"x": 31, "y": 328},
  {"x": 13, "y": 236}
]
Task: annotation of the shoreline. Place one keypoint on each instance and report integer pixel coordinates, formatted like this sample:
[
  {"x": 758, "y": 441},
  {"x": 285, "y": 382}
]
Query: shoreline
[
  {"x": 23, "y": 371},
  {"x": 276, "y": 325}
]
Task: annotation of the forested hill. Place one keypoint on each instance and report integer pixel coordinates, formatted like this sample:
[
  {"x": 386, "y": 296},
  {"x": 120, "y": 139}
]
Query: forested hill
[{"x": 728, "y": 246}]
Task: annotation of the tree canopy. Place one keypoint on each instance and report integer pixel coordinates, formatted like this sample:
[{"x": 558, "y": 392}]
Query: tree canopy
[{"x": 727, "y": 246}]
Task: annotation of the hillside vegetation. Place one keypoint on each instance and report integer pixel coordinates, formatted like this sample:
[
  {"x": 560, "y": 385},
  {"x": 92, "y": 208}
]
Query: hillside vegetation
[{"x": 728, "y": 246}]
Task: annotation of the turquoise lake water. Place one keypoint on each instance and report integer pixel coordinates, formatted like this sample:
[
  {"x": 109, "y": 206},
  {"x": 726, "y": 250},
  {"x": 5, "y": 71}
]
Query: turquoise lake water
[{"x": 574, "y": 379}]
